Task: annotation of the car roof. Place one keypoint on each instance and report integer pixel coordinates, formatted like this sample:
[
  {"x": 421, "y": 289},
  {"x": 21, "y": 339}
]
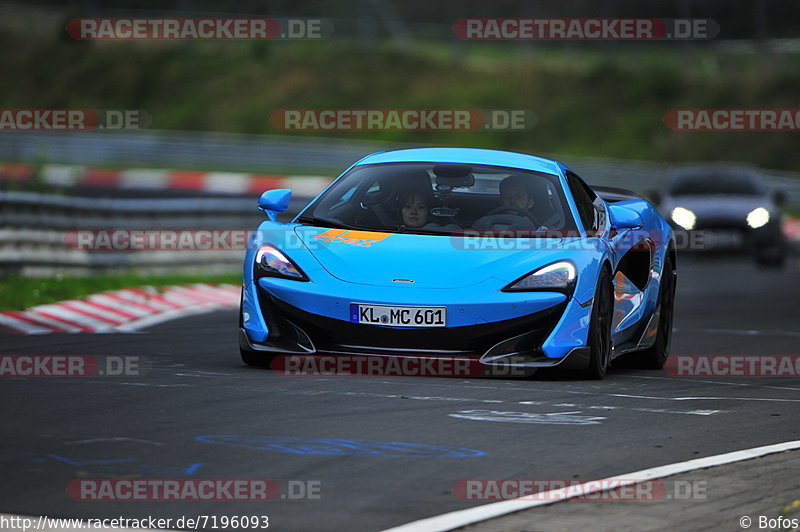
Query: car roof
[{"x": 466, "y": 156}]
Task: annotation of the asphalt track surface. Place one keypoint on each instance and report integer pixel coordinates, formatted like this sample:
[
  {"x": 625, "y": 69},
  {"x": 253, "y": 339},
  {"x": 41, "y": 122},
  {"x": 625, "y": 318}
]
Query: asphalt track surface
[{"x": 199, "y": 413}]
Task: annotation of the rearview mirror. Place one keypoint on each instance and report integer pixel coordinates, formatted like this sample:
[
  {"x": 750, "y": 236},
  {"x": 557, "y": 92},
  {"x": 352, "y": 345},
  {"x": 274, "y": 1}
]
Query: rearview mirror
[
  {"x": 624, "y": 218},
  {"x": 274, "y": 202},
  {"x": 450, "y": 176}
]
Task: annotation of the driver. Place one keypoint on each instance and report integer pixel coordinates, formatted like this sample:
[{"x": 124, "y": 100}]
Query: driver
[
  {"x": 515, "y": 212},
  {"x": 515, "y": 191}
]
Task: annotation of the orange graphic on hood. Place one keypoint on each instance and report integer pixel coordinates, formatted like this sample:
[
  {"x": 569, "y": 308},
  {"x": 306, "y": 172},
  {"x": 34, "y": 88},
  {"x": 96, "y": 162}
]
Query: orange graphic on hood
[{"x": 362, "y": 239}]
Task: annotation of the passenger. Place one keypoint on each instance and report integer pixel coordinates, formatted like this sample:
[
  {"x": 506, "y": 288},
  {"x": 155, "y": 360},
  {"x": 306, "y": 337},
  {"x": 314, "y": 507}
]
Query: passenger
[{"x": 415, "y": 208}]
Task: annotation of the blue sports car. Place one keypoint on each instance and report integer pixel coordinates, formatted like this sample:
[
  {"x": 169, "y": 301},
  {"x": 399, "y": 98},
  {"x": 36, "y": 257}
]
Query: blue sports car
[{"x": 490, "y": 256}]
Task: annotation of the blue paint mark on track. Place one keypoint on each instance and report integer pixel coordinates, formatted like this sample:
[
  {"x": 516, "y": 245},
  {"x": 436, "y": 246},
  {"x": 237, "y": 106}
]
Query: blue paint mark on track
[{"x": 339, "y": 447}]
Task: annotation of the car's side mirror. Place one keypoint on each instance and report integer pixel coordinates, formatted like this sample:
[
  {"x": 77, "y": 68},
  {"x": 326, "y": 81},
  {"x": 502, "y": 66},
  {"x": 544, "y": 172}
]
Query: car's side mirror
[
  {"x": 274, "y": 202},
  {"x": 624, "y": 218},
  {"x": 779, "y": 197}
]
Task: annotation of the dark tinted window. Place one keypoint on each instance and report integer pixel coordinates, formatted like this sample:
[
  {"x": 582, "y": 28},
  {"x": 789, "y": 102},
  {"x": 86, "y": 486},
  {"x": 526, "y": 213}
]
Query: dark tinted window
[
  {"x": 716, "y": 184},
  {"x": 436, "y": 198},
  {"x": 584, "y": 200}
]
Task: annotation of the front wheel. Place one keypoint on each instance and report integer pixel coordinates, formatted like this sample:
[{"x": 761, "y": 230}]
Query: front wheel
[
  {"x": 655, "y": 356},
  {"x": 600, "y": 328}
]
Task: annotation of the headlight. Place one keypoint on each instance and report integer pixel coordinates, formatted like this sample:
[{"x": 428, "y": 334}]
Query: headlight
[
  {"x": 684, "y": 217},
  {"x": 559, "y": 277},
  {"x": 758, "y": 217},
  {"x": 270, "y": 262}
]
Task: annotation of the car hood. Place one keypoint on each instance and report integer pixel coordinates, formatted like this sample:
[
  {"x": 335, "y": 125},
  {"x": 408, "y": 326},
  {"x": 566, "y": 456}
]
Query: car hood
[
  {"x": 430, "y": 261},
  {"x": 716, "y": 206}
]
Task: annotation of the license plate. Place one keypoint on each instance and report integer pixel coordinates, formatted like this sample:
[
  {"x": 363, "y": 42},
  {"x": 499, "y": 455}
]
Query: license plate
[
  {"x": 722, "y": 239},
  {"x": 398, "y": 316}
]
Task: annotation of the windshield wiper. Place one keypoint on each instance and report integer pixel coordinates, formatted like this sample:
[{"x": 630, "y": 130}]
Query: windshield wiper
[{"x": 324, "y": 223}]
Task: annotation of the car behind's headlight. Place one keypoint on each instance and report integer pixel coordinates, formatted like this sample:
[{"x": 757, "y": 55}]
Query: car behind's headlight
[
  {"x": 559, "y": 276},
  {"x": 758, "y": 217},
  {"x": 684, "y": 217},
  {"x": 271, "y": 262}
]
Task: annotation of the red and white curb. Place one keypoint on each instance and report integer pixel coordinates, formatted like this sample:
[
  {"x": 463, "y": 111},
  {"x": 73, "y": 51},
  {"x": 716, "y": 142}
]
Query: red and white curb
[
  {"x": 120, "y": 311},
  {"x": 161, "y": 179}
]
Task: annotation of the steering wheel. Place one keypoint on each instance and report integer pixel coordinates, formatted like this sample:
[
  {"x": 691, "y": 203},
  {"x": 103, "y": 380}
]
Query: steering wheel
[
  {"x": 517, "y": 211},
  {"x": 372, "y": 203}
]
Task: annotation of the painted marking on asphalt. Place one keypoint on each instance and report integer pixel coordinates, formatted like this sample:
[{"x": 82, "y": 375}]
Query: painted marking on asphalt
[
  {"x": 421, "y": 397},
  {"x": 461, "y": 518},
  {"x": 339, "y": 447},
  {"x": 106, "y": 440},
  {"x": 554, "y": 418},
  {"x": 129, "y": 467},
  {"x": 707, "y": 398},
  {"x": 691, "y": 412},
  {"x": 470, "y": 385},
  {"x": 723, "y": 383},
  {"x": 151, "y": 385},
  {"x": 743, "y": 332},
  {"x": 542, "y": 403},
  {"x": 198, "y": 373}
]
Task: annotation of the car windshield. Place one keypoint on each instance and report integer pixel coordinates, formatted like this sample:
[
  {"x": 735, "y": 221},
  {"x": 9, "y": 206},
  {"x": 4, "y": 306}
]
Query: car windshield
[
  {"x": 715, "y": 184},
  {"x": 436, "y": 198}
]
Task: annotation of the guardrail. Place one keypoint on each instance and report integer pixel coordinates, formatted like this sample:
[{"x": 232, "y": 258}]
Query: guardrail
[
  {"x": 186, "y": 149},
  {"x": 294, "y": 154},
  {"x": 151, "y": 181},
  {"x": 35, "y": 229}
]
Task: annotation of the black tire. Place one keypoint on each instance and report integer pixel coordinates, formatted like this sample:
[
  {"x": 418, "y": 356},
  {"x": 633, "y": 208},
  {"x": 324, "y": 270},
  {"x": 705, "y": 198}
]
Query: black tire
[
  {"x": 655, "y": 356},
  {"x": 599, "y": 339}
]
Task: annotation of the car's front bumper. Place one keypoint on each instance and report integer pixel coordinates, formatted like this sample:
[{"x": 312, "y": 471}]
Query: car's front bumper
[
  {"x": 541, "y": 329},
  {"x": 730, "y": 235}
]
